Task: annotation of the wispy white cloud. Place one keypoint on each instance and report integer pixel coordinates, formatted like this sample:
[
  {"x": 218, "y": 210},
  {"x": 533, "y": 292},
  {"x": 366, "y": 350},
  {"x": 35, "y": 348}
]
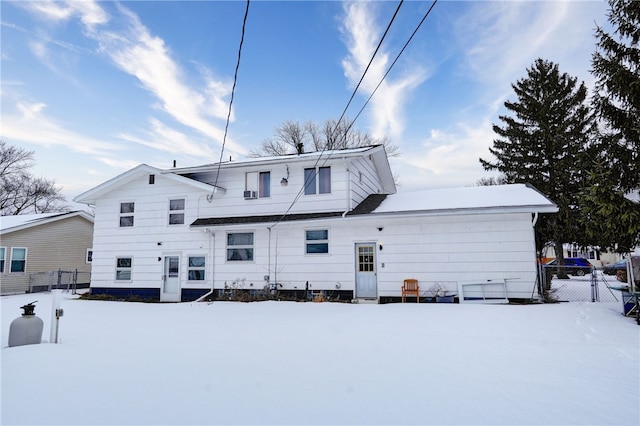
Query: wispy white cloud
[
  {"x": 449, "y": 158},
  {"x": 167, "y": 139},
  {"x": 362, "y": 34},
  {"x": 89, "y": 12},
  {"x": 30, "y": 124},
  {"x": 134, "y": 50}
]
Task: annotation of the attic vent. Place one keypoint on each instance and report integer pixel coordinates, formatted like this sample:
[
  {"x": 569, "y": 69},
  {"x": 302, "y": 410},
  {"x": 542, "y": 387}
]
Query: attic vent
[{"x": 152, "y": 179}]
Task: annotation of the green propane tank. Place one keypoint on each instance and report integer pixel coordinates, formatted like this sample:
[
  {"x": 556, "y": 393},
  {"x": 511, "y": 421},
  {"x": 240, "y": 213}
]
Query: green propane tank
[{"x": 27, "y": 329}]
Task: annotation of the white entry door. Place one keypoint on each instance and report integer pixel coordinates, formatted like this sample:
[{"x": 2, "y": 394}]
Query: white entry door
[
  {"x": 171, "y": 280},
  {"x": 366, "y": 279}
]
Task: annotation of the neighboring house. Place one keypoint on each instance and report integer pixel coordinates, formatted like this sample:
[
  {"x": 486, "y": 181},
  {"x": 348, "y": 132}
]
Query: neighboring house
[
  {"x": 321, "y": 221},
  {"x": 45, "y": 242}
]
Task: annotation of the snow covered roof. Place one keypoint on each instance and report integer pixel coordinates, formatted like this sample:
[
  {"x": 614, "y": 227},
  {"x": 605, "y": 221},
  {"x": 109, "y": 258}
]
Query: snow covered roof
[
  {"x": 22, "y": 221},
  {"x": 512, "y": 197},
  {"x": 90, "y": 196}
]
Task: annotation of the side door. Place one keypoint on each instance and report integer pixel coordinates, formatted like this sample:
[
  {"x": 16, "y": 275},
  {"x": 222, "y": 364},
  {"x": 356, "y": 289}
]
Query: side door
[
  {"x": 171, "y": 280},
  {"x": 366, "y": 275}
]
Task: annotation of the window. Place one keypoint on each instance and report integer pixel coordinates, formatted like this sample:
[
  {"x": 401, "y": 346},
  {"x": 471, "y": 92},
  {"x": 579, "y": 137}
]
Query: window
[
  {"x": 152, "y": 179},
  {"x": 123, "y": 268},
  {"x": 3, "y": 253},
  {"x": 257, "y": 185},
  {"x": 317, "y": 181},
  {"x": 264, "y": 184},
  {"x": 317, "y": 241},
  {"x": 196, "y": 268},
  {"x": 176, "y": 212},
  {"x": 240, "y": 246},
  {"x": 89, "y": 258},
  {"x": 18, "y": 259},
  {"x": 126, "y": 214}
]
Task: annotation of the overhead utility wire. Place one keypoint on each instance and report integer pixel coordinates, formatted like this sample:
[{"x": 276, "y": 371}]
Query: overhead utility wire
[
  {"x": 295, "y": 200},
  {"x": 233, "y": 89},
  {"x": 391, "y": 66}
]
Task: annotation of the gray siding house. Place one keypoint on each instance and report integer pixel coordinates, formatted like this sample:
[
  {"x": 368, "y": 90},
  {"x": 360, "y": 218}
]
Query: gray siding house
[{"x": 44, "y": 242}]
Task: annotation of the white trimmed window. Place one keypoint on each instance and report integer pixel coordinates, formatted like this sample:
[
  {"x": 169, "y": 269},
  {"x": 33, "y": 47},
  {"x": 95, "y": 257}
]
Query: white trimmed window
[
  {"x": 89, "y": 257},
  {"x": 176, "y": 211},
  {"x": 18, "y": 259},
  {"x": 257, "y": 185},
  {"x": 240, "y": 246},
  {"x": 317, "y": 180},
  {"x": 123, "y": 268},
  {"x": 3, "y": 254},
  {"x": 126, "y": 214},
  {"x": 196, "y": 268},
  {"x": 317, "y": 241}
]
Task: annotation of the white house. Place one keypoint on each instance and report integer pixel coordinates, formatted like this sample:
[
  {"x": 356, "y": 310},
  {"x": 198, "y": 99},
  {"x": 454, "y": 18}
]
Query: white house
[{"x": 327, "y": 221}]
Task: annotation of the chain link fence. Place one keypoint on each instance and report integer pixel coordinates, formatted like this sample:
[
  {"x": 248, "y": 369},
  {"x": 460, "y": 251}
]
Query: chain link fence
[
  {"x": 577, "y": 284},
  {"x": 63, "y": 280}
]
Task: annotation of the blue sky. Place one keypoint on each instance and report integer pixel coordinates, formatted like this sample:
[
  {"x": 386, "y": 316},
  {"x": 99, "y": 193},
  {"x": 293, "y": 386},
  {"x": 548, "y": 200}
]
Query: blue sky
[{"x": 96, "y": 88}]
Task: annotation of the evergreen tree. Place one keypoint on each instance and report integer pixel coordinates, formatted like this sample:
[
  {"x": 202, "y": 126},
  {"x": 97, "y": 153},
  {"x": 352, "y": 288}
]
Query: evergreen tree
[
  {"x": 612, "y": 219},
  {"x": 543, "y": 143}
]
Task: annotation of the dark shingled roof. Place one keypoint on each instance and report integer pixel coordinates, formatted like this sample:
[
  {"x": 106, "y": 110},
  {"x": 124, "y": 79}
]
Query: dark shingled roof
[
  {"x": 240, "y": 220},
  {"x": 368, "y": 205}
]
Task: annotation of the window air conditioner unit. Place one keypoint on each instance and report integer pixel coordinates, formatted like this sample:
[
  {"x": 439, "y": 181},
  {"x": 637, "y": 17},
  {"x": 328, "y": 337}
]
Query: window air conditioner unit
[{"x": 250, "y": 195}]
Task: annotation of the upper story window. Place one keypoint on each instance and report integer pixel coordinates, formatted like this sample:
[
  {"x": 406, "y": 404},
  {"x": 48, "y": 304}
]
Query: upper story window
[
  {"x": 196, "y": 268},
  {"x": 240, "y": 246},
  {"x": 176, "y": 211},
  {"x": 126, "y": 214},
  {"x": 89, "y": 257},
  {"x": 264, "y": 181},
  {"x": 317, "y": 180},
  {"x": 3, "y": 253},
  {"x": 123, "y": 268},
  {"x": 18, "y": 259},
  {"x": 257, "y": 185},
  {"x": 317, "y": 241}
]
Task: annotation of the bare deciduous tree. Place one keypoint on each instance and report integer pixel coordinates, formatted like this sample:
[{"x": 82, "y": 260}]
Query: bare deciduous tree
[
  {"x": 294, "y": 137},
  {"x": 20, "y": 192}
]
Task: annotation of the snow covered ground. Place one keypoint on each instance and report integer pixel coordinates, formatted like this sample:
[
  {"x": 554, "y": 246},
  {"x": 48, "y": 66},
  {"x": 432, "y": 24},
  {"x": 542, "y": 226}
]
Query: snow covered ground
[{"x": 323, "y": 363}]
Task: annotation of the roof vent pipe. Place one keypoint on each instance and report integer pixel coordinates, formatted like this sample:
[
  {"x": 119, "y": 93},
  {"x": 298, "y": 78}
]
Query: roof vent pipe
[{"x": 174, "y": 164}]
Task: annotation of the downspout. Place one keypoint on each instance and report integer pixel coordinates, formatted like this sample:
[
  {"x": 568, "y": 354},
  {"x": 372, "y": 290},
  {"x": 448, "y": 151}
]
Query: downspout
[
  {"x": 212, "y": 242},
  {"x": 535, "y": 219},
  {"x": 348, "y": 200}
]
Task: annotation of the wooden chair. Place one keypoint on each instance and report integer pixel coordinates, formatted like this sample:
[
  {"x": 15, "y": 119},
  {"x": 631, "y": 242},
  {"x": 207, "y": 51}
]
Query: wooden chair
[{"x": 410, "y": 287}]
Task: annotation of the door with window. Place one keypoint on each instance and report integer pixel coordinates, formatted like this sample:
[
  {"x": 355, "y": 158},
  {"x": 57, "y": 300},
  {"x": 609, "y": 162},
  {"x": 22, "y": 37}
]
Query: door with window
[
  {"x": 366, "y": 276},
  {"x": 171, "y": 280}
]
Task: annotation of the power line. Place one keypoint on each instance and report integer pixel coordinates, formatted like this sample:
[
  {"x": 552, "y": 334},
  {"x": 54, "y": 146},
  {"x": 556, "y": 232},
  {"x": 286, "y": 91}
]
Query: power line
[
  {"x": 392, "y": 64},
  {"x": 233, "y": 89},
  {"x": 295, "y": 200}
]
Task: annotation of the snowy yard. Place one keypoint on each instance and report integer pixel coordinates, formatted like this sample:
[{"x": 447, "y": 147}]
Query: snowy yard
[{"x": 323, "y": 363}]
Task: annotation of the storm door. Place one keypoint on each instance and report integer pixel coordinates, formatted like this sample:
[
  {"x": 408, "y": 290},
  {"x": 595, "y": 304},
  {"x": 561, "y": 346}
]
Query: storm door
[
  {"x": 366, "y": 280},
  {"x": 171, "y": 279}
]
